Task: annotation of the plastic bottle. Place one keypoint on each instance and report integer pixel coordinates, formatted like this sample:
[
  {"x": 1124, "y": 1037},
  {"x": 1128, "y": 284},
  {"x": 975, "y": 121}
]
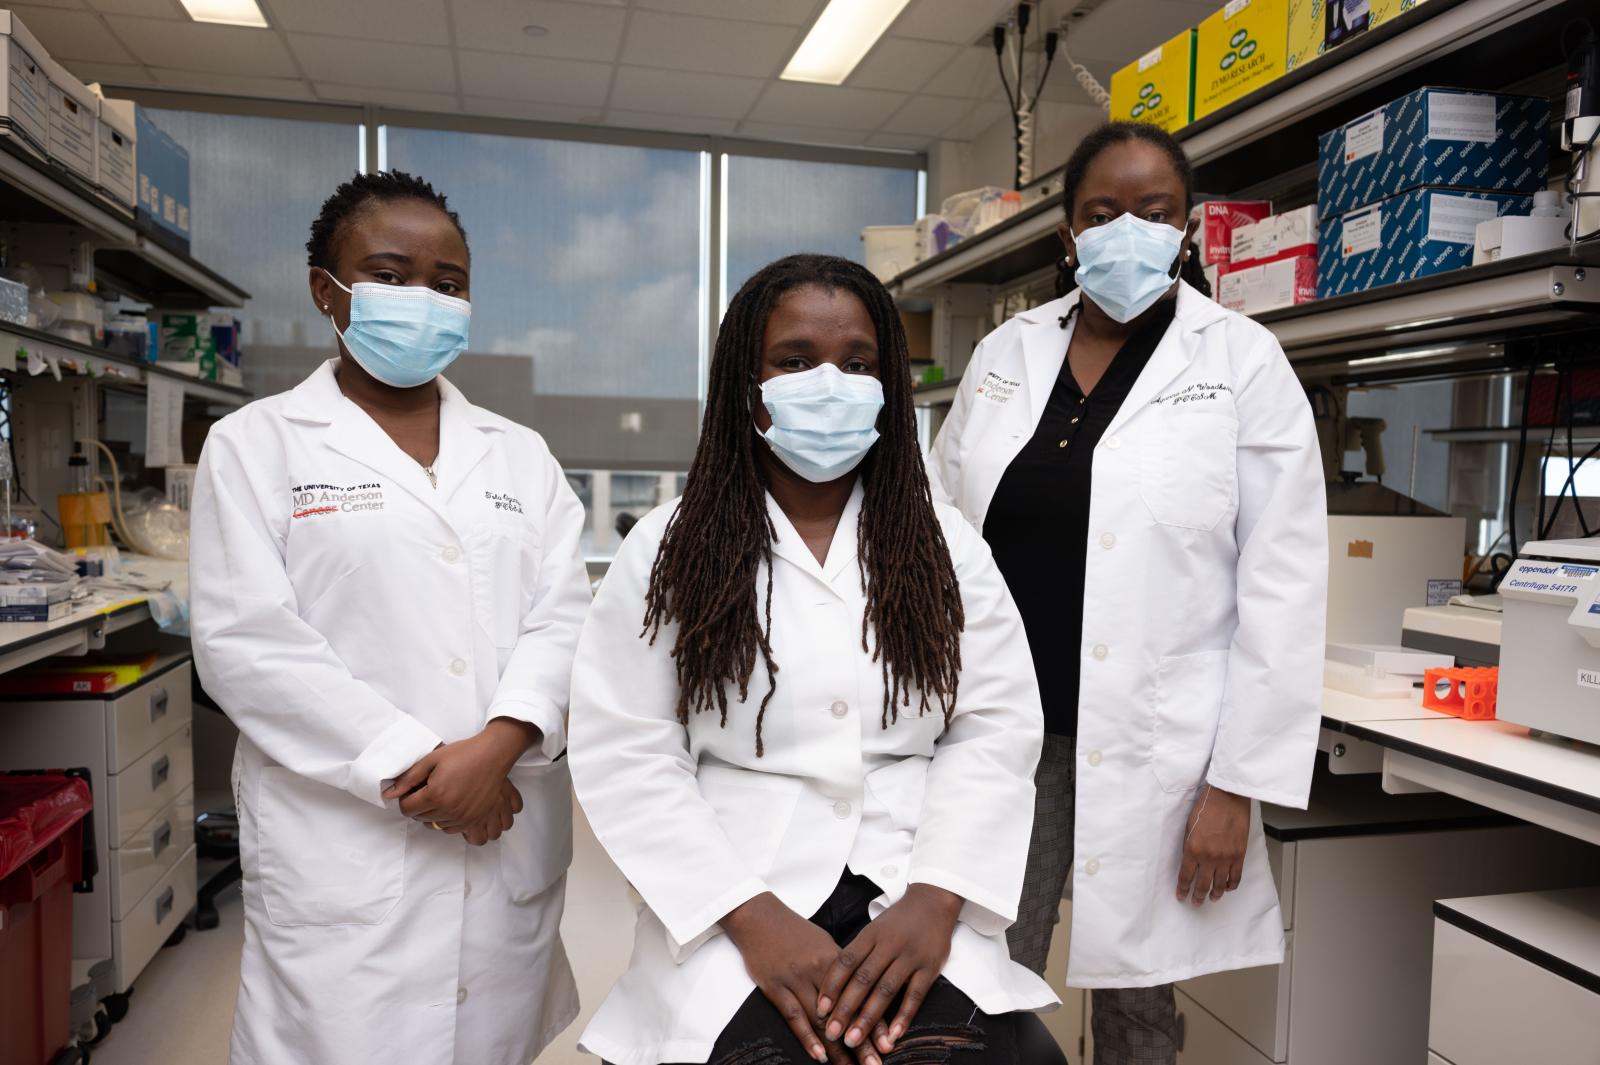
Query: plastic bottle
[{"x": 1547, "y": 204}]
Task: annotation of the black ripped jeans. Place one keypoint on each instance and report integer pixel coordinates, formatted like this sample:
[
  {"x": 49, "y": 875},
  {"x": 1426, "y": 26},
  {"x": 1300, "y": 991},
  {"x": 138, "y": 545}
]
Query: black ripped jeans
[{"x": 948, "y": 1027}]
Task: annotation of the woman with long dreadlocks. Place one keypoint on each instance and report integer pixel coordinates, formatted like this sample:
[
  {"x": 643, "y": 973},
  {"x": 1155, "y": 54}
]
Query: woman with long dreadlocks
[{"x": 804, "y": 691}]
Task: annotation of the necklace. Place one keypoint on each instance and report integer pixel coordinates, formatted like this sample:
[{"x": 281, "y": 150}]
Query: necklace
[{"x": 432, "y": 477}]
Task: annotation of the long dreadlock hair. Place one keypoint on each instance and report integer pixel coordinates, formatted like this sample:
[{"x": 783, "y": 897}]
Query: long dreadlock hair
[
  {"x": 1088, "y": 149},
  {"x": 705, "y": 574}
]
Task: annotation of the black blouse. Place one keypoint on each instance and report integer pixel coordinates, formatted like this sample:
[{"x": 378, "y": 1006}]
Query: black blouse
[{"x": 1038, "y": 522}]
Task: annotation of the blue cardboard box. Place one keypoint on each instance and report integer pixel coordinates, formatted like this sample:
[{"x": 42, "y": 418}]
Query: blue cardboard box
[
  {"x": 163, "y": 168},
  {"x": 1490, "y": 142},
  {"x": 1415, "y": 234}
]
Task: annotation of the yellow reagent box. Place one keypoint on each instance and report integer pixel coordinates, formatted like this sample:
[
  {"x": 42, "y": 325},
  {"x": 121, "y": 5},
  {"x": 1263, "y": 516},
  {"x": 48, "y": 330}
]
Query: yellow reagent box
[
  {"x": 1308, "y": 32},
  {"x": 1158, "y": 87},
  {"x": 1238, "y": 50}
]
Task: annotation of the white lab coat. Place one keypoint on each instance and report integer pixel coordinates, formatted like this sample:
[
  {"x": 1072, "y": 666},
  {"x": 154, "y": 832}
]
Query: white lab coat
[
  {"x": 1203, "y": 618},
  {"x": 700, "y": 825},
  {"x": 349, "y": 617}
]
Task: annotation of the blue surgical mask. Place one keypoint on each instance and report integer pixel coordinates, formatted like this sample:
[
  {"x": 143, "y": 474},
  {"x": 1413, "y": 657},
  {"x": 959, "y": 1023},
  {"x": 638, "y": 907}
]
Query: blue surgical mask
[
  {"x": 1126, "y": 265},
  {"x": 824, "y": 421},
  {"x": 403, "y": 335}
]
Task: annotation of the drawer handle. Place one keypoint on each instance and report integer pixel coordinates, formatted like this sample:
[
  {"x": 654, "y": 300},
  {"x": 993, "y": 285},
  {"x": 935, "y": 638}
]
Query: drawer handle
[
  {"x": 159, "y": 772},
  {"x": 158, "y": 704},
  {"x": 161, "y": 839},
  {"x": 1182, "y": 1032},
  {"x": 164, "y": 905}
]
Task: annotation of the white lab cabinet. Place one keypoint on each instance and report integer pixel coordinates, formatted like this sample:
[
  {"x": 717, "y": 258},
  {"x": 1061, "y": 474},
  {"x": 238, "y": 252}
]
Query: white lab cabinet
[
  {"x": 136, "y": 744},
  {"x": 1357, "y": 875},
  {"x": 1517, "y": 978}
]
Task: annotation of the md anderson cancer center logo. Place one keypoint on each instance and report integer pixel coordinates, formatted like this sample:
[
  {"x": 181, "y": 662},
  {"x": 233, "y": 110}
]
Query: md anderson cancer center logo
[{"x": 316, "y": 500}]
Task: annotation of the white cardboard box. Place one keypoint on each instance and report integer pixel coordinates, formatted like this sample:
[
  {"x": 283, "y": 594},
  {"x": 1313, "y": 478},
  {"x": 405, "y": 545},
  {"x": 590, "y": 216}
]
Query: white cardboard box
[
  {"x": 74, "y": 121},
  {"x": 116, "y": 168},
  {"x": 1513, "y": 235},
  {"x": 1270, "y": 286},
  {"x": 25, "y": 92}
]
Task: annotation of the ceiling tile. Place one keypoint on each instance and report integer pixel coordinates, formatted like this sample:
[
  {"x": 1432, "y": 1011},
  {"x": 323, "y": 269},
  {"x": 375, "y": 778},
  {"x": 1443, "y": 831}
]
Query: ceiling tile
[
  {"x": 170, "y": 9},
  {"x": 904, "y": 142},
  {"x": 678, "y": 92},
  {"x": 977, "y": 123},
  {"x": 532, "y": 111},
  {"x": 901, "y": 64},
  {"x": 214, "y": 49},
  {"x": 72, "y": 34},
  {"x": 410, "y": 101},
  {"x": 109, "y": 73},
  {"x": 972, "y": 74},
  {"x": 782, "y": 12},
  {"x": 576, "y": 31},
  {"x": 719, "y": 46},
  {"x": 234, "y": 85},
  {"x": 671, "y": 123},
  {"x": 526, "y": 78},
  {"x": 789, "y": 102},
  {"x": 788, "y": 134},
  {"x": 411, "y": 21},
  {"x": 342, "y": 61},
  {"x": 929, "y": 115},
  {"x": 956, "y": 21}
]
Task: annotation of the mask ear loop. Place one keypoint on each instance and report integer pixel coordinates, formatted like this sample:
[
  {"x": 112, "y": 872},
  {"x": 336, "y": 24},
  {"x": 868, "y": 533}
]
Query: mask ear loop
[{"x": 325, "y": 309}]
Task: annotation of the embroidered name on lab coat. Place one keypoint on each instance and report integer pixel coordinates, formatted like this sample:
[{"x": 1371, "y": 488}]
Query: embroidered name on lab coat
[
  {"x": 997, "y": 389},
  {"x": 502, "y": 501},
  {"x": 315, "y": 500},
  {"x": 1199, "y": 392}
]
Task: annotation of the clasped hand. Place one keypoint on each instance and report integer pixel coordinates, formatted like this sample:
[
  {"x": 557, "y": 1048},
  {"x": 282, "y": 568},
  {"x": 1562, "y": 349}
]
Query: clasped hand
[
  {"x": 461, "y": 787},
  {"x": 834, "y": 999}
]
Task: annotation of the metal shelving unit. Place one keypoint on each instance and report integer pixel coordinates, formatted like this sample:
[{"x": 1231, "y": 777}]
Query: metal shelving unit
[
  {"x": 31, "y": 190},
  {"x": 105, "y": 367},
  {"x": 1268, "y": 142}
]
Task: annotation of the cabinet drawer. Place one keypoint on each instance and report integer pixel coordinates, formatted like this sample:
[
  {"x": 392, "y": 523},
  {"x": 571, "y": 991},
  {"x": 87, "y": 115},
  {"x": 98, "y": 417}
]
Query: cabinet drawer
[
  {"x": 1490, "y": 1006},
  {"x": 145, "y": 715},
  {"x": 1254, "y": 1003},
  {"x": 152, "y": 919},
  {"x": 151, "y": 784},
  {"x": 151, "y": 852},
  {"x": 1207, "y": 1041}
]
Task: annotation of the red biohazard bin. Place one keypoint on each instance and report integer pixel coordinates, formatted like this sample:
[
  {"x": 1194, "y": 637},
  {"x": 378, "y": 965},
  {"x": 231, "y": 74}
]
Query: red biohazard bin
[{"x": 41, "y": 856}]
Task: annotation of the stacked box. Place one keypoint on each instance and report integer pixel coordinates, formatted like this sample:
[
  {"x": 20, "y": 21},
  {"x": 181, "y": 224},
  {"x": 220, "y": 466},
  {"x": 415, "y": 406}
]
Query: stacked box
[
  {"x": 1237, "y": 50},
  {"x": 163, "y": 169},
  {"x": 74, "y": 121},
  {"x": 1269, "y": 286},
  {"x": 186, "y": 343},
  {"x": 1311, "y": 36},
  {"x": 25, "y": 91},
  {"x": 1158, "y": 87},
  {"x": 1415, "y": 234},
  {"x": 116, "y": 165},
  {"x": 1219, "y": 219},
  {"x": 1489, "y": 142}
]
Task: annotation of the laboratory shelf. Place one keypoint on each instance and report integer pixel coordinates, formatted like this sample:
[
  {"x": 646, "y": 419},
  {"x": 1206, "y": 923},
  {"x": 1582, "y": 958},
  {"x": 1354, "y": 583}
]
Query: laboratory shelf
[
  {"x": 126, "y": 260},
  {"x": 938, "y": 395},
  {"x": 1267, "y": 142},
  {"x": 106, "y": 368},
  {"x": 25, "y": 642}
]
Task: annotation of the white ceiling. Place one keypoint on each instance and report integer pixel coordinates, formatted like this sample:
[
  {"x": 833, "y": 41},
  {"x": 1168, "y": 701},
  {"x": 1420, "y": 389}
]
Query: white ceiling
[{"x": 695, "y": 66}]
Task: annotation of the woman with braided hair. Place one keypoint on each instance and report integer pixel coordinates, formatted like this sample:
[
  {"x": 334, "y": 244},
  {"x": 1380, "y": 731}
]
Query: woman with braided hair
[{"x": 804, "y": 691}]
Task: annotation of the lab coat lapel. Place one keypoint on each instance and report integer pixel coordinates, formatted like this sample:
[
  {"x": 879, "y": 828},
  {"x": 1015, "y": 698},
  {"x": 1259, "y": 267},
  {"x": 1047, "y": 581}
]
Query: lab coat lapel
[
  {"x": 1172, "y": 355},
  {"x": 1044, "y": 349},
  {"x": 463, "y": 439},
  {"x": 353, "y": 433},
  {"x": 788, "y": 545}
]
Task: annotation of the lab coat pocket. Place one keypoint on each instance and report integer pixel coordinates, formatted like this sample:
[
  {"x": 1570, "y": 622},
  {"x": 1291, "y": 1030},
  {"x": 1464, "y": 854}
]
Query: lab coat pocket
[
  {"x": 753, "y": 808},
  {"x": 538, "y": 849},
  {"x": 1188, "y": 703},
  {"x": 326, "y": 857},
  {"x": 900, "y": 788},
  {"x": 1189, "y": 468},
  {"x": 505, "y": 569}
]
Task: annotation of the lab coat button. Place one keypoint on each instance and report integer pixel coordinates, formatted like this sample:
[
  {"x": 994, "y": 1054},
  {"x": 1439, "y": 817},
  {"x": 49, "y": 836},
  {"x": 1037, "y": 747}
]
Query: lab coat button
[
  {"x": 891, "y": 871},
  {"x": 1113, "y": 443},
  {"x": 1092, "y": 866},
  {"x": 451, "y": 555},
  {"x": 1100, "y": 651},
  {"x": 461, "y": 995},
  {"x": 457, "y": 666},
  {"x": 1094, "y": 758},
  {"x": 839, "y": 708},
  {"x": 841, "y": 810},
  {"x": 1108, "y": 540}
]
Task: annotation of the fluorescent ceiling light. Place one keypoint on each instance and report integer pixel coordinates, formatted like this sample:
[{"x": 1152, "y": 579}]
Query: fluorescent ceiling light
[
  {"x": 226, "y": 12},
  {"x": 844, "y": 32}
]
